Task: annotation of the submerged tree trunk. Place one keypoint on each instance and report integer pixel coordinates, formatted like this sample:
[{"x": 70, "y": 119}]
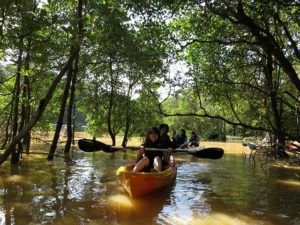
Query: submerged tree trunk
[
  {"x": 61, "y": 114},
  {"x": 76, "y": 49},
  {"x": 70, "y": 108},
  {"x": 125, "y": 138}
]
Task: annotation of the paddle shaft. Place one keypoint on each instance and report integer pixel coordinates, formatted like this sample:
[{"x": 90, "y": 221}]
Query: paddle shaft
[
  {"x": 93, "y": 146},
  {"x": 210, "y": 153},
  {"x": 156, "y": 149}
]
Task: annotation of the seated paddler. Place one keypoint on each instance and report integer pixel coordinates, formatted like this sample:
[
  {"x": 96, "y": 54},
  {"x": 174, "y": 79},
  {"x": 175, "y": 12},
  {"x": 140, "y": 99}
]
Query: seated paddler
[{"x": 150, "y": 160}]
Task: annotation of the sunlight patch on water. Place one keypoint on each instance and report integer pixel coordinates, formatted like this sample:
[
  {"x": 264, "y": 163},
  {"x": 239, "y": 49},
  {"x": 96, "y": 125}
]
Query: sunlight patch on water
[
  {"x": 121, "y": 190},
  {"x": 42, "y": 172},
  {"x": 33, "y": 157},
  {"x": 111, "y": 183},
  {"x": 120, "y": 201},
  {"x": 216, "y": 218},
  {"x": 14, "y": 179},
  {"x": 293, "y": 183},
  {"x": 229, "y": 148},
  {"x": 285, "y": 167}
]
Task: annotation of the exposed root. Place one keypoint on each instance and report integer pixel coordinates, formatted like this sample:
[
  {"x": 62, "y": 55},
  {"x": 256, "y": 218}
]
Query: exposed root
[{"x": 271, "y": 154}]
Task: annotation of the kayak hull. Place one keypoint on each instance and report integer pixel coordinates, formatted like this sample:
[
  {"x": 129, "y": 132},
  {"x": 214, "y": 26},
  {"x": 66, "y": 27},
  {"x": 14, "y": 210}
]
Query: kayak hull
[
  {"x": 138, "y": 184},
  {"x": 190, "y": 150}
]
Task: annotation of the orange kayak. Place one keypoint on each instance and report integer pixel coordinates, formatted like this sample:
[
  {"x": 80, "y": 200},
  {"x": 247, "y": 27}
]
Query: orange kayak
[{"x": 141, "y": 183}]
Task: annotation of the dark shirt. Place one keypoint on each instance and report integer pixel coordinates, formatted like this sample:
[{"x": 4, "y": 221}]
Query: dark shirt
[
  {"x": 152, "y": 154},
  {"x": 179, "y": 140},
  {"x": 194, "y": 139},
  {"x": 166, "y": 142}
]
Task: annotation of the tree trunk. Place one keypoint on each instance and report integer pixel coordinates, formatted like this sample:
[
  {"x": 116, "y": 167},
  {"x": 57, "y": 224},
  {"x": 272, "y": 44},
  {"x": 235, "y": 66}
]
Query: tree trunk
[
  {"x": 7, "y": 130},
  {"x": 223, "y": 127},
  {"x": 27, "y": 111},
  {"x": 113, "y": 139},
  {"x": 269, "y": 44},
  {"x": 70, "y": 108},
  {"x": 75, "y": 49},
  {"x": 61, "y": 114},
  {"x": 278, "y": 131},
  {"x": 42, "y": 106},
  {"x": 23, "y": 115},
  {"x": 25, "y": 102},
  {"x": 125, "y": 138},
  {"x": 16, "y": 153},
  {"x": 110, "y": 107},
  {"x": 73, "y": 121},
  {"x": 27, "y": 95},
  {"x": 128, "y": 120}
]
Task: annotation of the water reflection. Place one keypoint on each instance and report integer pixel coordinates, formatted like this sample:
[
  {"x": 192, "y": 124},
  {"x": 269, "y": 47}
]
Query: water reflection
[
  {"x": 144, "y": 210},
  {"x": 83, "y": 189}
]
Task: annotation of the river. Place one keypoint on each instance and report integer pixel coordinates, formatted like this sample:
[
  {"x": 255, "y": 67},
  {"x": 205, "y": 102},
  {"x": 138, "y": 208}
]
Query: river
[{"x": 83, "y": 189}]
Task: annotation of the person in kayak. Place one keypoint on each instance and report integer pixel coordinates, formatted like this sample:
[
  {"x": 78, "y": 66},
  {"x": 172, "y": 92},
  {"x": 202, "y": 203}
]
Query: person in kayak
[
  {"x": 166, "y": 143},
  {"x": 267, "y": 139},
  {"x": 179, "y": 139},
  {"x": 164, "y": 137},
  {"x": 194, "y": 141},
  {"x": 147, "y": 160}
]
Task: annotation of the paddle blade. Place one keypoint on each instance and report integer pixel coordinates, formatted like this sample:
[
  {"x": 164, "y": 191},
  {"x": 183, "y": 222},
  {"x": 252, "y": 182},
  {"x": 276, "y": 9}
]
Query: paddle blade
[
  {"x": 88, "y": 145},
  {"x": 251, "y": 146},
  {"x": 213, "y": 136},
  {"x": 210, "y": 153}
]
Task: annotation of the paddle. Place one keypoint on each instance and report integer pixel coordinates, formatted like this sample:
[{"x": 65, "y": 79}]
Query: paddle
[{"x": 88, "y": 145}]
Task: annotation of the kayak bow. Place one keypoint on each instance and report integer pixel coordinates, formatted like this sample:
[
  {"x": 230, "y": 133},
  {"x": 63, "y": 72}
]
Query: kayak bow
[{"x": 138, "y": 184}]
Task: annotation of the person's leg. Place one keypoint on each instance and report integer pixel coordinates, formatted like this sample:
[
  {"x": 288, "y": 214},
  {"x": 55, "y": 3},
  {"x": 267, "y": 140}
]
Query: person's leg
[
  {"x": 157, "y": 163},
  {"x": 166, "y": 157},
  {"x": 184, "y": 145},
  {"x": 141, "y": 164}
]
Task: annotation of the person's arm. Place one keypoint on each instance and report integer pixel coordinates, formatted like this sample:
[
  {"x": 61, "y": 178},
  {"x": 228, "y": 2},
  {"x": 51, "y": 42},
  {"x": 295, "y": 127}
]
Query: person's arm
[
  {"x": 166, "y": 155},
  {"x": 174, "y": 136},
  {"x": 197, "y": 141},
  {"x": 140, "y": 153}
]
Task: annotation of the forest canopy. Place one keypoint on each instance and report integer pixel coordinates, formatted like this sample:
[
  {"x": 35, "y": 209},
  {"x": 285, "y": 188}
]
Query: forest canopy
[{"x": 111, "y": 60}]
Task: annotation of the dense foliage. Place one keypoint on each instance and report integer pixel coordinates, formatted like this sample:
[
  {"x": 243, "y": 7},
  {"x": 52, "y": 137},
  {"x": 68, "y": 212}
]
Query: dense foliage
[
  {"x": 242, "y": 59},
  {"x": 110, "y": 60}
]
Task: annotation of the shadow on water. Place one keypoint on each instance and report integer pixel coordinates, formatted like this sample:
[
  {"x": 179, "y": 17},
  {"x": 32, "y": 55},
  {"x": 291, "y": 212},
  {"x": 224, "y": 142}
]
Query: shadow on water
[{"x": 84, "y": 189}]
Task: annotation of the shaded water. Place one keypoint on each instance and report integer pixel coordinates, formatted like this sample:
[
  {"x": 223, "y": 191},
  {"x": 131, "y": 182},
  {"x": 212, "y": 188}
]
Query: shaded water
[{"x": 85, "y": 190}]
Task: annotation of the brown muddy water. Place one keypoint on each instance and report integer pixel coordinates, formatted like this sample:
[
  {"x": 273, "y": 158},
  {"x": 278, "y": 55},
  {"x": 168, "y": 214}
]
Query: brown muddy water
[{"x": 83, "y": 189}]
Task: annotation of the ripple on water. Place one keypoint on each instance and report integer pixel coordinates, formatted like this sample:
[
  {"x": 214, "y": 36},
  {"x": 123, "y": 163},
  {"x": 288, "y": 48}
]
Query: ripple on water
[{"x": 205, "y": 192}]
